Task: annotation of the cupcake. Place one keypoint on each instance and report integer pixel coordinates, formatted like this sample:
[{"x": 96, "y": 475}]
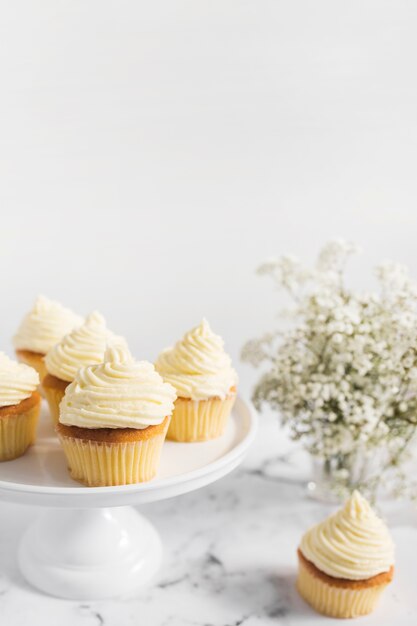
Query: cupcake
[
  {"x": 201, "y": 372},
  {"x": 83, "y": 346},
  {"x": 19, "y": 407},
  {"x": 40, "y": 329},
  {"x": 113, "y": 420},
  {"x": 346, "y": 561}
]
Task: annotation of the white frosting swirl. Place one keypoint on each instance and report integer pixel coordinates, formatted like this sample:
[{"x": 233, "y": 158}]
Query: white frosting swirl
[
  {"x": 197, "y": 366},
  {"x": 44, "y": 326},
  {"x": 353, "y": 543},
  {"x": 118, "y": 393},
  {"x": 83, "y": 346},
  {"x": 17, "y": 381}
]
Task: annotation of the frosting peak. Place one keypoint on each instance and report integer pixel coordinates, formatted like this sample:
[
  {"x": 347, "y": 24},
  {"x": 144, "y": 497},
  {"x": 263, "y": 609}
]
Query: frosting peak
[
  {"x": 353, "y": 543},
  {"x": 85, "y": 345},
  {"x": 95, "y": 319},
  {"x": 357, "y": 507},
  {"x": 197, "y": 366},
  {"x": 44, "y": 326},
  {"x": 17, "y": 381},
  {"x": 118, "y": 393}
]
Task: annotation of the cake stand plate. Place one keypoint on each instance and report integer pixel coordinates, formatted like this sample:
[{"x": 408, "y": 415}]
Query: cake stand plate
[{"x": 90, "y": 543}]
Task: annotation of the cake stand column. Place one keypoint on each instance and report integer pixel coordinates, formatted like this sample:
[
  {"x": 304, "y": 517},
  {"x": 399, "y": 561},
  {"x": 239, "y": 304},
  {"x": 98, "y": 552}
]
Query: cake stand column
[{"x": 90, "y": 554}]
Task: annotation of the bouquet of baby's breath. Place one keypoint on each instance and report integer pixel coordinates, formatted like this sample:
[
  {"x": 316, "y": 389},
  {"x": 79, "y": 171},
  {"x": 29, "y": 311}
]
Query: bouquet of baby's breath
[{"x": 344, "y": 377}]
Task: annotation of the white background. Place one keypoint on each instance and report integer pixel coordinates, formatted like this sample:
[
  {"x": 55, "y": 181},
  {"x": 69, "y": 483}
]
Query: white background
[{"x": 153, "y": 153}]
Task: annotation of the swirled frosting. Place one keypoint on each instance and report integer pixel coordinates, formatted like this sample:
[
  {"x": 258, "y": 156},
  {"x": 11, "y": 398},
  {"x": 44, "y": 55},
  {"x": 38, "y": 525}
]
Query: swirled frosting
[
  {"x": 118, "y": 393},
  {"x": 17, "y": 381},
  {"x": 197, "y": 366},
  {"x": 353, "y": 543},
  {"x": 44, "y": 326},
  {"x": 83, "y": 346}
]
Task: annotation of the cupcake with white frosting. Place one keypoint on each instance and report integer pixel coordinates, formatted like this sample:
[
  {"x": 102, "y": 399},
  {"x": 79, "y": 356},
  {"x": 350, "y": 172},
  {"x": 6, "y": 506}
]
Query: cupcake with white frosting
[
  {"x": 19, "y": 407},
  {"x": 346, "y": 561},
  {"x": 85, "y": 345},
  {"x": 40, "y": 329},
  {"x": 113, "y": 420},
  {"x": 202, "y": 374}
]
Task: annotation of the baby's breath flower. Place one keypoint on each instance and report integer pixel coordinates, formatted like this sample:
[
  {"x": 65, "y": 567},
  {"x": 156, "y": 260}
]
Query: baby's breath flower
[{"x": 345, "y": 374}]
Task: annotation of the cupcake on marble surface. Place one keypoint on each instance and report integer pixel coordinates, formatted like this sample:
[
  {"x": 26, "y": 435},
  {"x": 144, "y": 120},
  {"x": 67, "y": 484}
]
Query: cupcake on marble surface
[
  {"x": 85, "y": 345},
  {"x": 19, "y": 407},
  {"x": 113, "y": 420},
  {"x": 346, "y": 561},
  {"x": 202, "y": 373},
  {"x": 40, "y": 329}
]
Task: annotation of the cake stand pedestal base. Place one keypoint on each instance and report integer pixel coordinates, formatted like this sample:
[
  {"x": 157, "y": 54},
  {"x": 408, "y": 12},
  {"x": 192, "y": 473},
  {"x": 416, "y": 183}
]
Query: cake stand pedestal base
[{"x": 90, "y": 554}]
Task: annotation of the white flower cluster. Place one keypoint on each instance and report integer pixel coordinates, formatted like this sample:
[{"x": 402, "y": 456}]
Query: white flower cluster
[{"x": 346, "y": 373}]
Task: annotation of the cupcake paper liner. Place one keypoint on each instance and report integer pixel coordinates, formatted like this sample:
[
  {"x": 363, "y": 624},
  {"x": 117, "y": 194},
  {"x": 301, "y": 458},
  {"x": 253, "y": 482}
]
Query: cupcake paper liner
[
  {"x": 53, "y": 396},
  {"x": 199, "y": 420},
  {"x": 99, "y": 464},
  {"x": 337, "y": 601},
  {"x": 17, "y": 433}
]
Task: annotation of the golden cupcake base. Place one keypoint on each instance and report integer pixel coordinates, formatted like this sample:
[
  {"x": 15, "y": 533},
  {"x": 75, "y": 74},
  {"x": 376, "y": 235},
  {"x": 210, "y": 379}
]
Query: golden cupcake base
[
  {"x": 54, "y": 390},
  {"x": 106, "y": 457},
  {"x": 339, "y": 597},
  {"x": 18, "y": 427},
  {"x": 200, "y": 420}
]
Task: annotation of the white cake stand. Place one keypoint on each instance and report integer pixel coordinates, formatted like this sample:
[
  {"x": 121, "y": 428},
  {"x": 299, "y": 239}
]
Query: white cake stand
[{"x": 89, "y": 543}]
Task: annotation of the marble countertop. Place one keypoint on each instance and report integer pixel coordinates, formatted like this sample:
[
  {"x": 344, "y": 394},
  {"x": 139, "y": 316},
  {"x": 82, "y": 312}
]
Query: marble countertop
[{"x": 230, "y": 555}]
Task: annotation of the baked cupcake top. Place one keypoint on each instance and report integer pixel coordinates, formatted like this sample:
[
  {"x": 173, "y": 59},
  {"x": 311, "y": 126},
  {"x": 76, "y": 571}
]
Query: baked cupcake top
[
  {"x": 84, "y": 345},
  {"x": 353, "y": 543},
  {"x": 197, "y": 366},
  {"x": 118, "y": 393},
  {"x": 44, "y": 326},
  {"x": 17, "y": 381}
]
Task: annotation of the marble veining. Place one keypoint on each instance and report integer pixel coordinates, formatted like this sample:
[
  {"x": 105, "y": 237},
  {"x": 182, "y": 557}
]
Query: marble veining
[{"x": 230, "y": 555}]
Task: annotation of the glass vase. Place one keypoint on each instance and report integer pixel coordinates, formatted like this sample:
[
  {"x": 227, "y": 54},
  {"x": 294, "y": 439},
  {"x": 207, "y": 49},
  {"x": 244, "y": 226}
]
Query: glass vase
[{"x": 334, "y": 478}]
